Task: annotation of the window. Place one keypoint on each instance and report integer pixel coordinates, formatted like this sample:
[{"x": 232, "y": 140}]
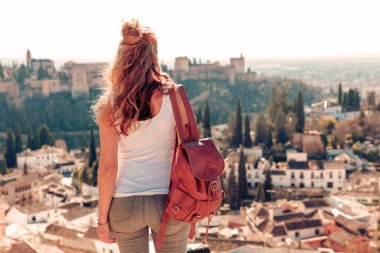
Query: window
[
  {"x": 330, "y": 185},
  {"x": 249, "y": 167},
  {"x": 293, "y": 176},
  {"x": 297, "y": 234},
  {"x": 292, "y": 185},
  {"x": 249, "y": 176},
  {"x": 339, "y": 174},
  {"x": 331, "y": 174},
  {"x": 317, "y": 231},
  {"x": 312, "y": 184},
  {"x": 301, "y": 175},
  {"x": 321, "y": 174},
  {"x": 312, "y": 174},
  {"x": 302, "y": 185}
]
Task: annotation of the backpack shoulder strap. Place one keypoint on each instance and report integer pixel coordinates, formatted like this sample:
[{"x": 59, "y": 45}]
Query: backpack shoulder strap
[{"x": 183, "y": 114}]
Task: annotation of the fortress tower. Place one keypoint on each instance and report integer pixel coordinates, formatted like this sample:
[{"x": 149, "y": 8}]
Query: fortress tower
[{"x": 29, "y": 61}]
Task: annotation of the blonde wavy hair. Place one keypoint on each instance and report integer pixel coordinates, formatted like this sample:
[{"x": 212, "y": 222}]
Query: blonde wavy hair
[{"x": 131, "y": 79}]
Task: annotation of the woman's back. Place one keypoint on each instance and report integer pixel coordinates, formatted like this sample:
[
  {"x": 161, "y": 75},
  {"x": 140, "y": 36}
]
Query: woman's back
[{"x": 145, "y": 155}]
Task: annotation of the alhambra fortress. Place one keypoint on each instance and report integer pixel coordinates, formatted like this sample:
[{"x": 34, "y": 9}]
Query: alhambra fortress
[{"x": 41, "y": 75}]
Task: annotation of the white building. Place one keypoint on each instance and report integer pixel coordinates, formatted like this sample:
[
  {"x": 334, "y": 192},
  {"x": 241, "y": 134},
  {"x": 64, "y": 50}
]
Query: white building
[
  {"x": 329, "y": 175},
  {"x": 46, "y": 155},
  {"x": 29, "y": 213}
]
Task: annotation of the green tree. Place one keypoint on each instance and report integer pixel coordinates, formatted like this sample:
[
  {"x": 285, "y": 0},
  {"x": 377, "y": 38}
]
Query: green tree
[
  {"x": 207, "y": 122},
  {"x": 243, "y": 190},
  {"x": 247, "y": 133},
  {"x": 324, "y": 139},
  {"x": 356, "y": 105},
  {"x": 95, "y": 168},
  {"x": 10, "y": 154},
  {"x": 261, "y": 130},
  {"x": 238, "y": 131},
  {"x": 371, "y": 100},
  {"x": 232, "y": 189},
  {"x": 84, "y": 175},
  {"x": 36, "y": 144},
  {"x": 18, "y": 141},
  {"x": 269, "y": 142},
  {"x": 260, "y": 193},
  {"x": 340, "y": 99},
  {"x": 199, "y": 115},
  {"x": 268, "y": 185},
  {"x": 300, "y": 113},
  {"x": 92, "y": 151},
  {"x": 45, "y": 136},
  {"x": 344, "y": 105},
  {"x": 281, "y": 134}
]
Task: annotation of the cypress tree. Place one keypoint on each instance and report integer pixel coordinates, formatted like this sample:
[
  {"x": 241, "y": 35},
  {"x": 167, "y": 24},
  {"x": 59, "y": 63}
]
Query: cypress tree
[
  {"x": 247, "y": 133},
  {"x": 45, "y": 135},
  {"x": 356, "y": 100},
  {"x": 199, "y": 115},
  {"x": 344, "y": 105},
  {"x": 261, "y": 130},
  {"x": 238, "y": 133},
  {"x": 242, "y": 176},
  {"x": 92, "y": 151},
  {"x": 268, "y": 185},
  {"x": 232, "y": 189},
  {"x": 281, "y": 134},
  {"x": 269, "y": 142},
  {"x": 260, "y": 194},
  {"x": 300, "y": 113},
  {"x": 340, "y": 94},
  {"x": 18, "y": 141},
  {"x": 350, "y": 100},
  {"x": 10, "y": 154},
  {"x": 207, "y": 122},
  {"x": 95, "y": 168}
]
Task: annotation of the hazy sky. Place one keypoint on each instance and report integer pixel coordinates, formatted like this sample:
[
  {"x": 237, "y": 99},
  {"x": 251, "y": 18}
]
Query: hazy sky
[{"x": 88, "y": 30}]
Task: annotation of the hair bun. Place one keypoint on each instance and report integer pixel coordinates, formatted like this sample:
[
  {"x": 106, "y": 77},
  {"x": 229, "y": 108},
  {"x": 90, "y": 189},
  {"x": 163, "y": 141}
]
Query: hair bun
[{"x": 132, "y": 32}]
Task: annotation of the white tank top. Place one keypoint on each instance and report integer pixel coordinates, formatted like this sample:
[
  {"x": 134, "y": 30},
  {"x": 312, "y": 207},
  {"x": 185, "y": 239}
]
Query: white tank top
[{"x": 145, "y": 155}]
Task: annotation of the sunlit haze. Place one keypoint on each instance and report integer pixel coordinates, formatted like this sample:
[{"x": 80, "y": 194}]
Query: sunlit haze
[{"x": 87, "y": 30}]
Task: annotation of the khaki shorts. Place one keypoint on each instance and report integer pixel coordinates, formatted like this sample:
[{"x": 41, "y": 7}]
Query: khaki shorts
[{"x": 131, "y": 217}]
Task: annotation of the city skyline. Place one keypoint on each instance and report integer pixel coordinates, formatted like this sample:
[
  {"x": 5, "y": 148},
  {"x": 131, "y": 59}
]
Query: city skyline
[{"x": 75, "y": 30}]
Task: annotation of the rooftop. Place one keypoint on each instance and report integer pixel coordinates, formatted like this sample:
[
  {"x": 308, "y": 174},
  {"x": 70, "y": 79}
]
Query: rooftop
[
  {"x": 32, "y": 208},
  {"x": 315, "y": 203},
  {"x": 61, "y": 231},
  {"x": 341, "y": 236},
  {"x": 303, "y": 224},
  {"x": 76, "y": 213}
]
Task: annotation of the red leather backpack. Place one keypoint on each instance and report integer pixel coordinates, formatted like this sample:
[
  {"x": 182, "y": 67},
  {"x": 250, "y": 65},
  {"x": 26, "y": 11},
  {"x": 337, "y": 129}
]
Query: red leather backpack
[{"x": 195, "y": 191}]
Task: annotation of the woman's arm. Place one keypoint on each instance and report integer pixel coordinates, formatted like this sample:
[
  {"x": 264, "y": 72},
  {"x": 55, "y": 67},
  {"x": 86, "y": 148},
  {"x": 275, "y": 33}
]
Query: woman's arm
[{"x": 107, "y": 165}]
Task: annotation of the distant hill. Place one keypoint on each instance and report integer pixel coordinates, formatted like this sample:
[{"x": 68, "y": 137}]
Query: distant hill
[{"x": 65, "y": 115}]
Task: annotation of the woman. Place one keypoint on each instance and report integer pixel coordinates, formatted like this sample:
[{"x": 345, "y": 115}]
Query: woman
[{"x": 137, "y": 140}]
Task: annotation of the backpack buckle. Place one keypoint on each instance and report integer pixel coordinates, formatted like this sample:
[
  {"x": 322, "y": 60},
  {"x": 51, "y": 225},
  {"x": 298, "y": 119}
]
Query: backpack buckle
[
  {"x": 196, "y": 217},
  {"x": 214, "y": 185},
  {"x": 175, "y": 209}
]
